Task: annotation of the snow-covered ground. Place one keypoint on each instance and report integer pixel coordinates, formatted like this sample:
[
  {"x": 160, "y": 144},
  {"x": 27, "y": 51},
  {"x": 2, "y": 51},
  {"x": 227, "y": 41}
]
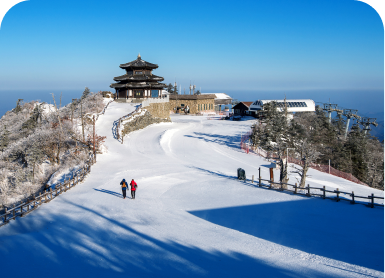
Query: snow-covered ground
[{"x": 191, "y": 216}]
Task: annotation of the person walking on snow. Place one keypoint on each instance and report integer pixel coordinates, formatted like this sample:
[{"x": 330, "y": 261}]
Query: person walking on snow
[
  {"x": 124, "y": 185},
  {"x": 133, "y": 188}
]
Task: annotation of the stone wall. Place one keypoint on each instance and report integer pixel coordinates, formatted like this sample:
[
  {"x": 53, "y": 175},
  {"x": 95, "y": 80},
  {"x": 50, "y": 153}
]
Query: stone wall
[
  {"x": 194, "y": 105},
  {"x": 159, "y": 110},
  {"x": 156, "y": 113}
]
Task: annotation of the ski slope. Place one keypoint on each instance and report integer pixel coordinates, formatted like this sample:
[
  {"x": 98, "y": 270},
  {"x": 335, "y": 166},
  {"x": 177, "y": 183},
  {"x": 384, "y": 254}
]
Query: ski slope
[{"x": 191, "y": 216}]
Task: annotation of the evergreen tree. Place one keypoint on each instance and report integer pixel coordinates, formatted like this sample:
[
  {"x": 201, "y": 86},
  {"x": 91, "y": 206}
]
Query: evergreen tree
[
  {"x": 170, "y": 89},
  {"x": 85, "y": 93},
  {"x": 34, "y": 156},
  {"x": 32, "y": 122},
  {"x": 356, "y": 146},
  {"x": 275, "y": 124},
  {"x": 18, "y": 105},
  {"x": 4, "y": 139}
]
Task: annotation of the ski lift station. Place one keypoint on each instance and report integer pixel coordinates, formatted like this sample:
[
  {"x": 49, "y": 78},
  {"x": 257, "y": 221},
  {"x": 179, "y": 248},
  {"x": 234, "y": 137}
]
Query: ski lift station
[{"x": 293, "y": 105}]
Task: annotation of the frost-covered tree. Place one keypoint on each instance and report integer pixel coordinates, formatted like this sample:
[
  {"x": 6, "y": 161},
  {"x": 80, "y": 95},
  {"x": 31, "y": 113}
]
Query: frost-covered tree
[
  {"x": 18, "y": 105},
  {"x": 309, "y": 155},
  {"x": 34, "y": 134},
  {"x": 86, "y": 92},
  {"x": 34, "y": 156},
  {"x": 4, "y": 139}
]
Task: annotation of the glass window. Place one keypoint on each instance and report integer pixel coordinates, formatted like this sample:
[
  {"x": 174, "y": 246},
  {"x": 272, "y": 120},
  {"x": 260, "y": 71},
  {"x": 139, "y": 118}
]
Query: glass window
[
  {"x": 154, "y": 93},
  {"x": 139, "y": 72}
]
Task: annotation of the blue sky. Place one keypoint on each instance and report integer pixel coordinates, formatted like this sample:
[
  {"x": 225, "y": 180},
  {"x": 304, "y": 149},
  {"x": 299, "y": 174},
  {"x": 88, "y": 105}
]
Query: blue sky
[{"x": 219, "y": 45}]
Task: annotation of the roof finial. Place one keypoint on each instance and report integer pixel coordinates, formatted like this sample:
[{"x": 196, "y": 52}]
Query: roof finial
[{"x": 139, "y": 56}]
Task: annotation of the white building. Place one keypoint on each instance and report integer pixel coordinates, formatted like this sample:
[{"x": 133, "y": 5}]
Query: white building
[{"x": 293, "y": 105}]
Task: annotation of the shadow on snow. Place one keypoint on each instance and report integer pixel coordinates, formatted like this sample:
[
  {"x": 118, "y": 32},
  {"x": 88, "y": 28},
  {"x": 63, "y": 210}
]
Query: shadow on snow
[
  {"x": 337, "y": 231},
  {"x": 111, "y": 248},
  {"x": 120, "y": 195}
]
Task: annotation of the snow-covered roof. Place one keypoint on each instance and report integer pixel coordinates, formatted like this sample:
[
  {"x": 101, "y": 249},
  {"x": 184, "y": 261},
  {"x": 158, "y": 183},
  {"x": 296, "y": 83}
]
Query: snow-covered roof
[
  {"x": 293, "y": 105},
  {"x": 219, "y": 95}
]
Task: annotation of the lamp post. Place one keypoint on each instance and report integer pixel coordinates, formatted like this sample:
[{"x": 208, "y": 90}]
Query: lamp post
[{"x": 287, "y": 154}]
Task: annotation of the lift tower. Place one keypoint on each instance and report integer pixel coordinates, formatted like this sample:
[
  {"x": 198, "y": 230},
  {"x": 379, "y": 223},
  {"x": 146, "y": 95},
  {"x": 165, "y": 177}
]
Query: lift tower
[
  {"x": 328, "y": 107},
  {"x": 350, "y": 113},
  {"x": 366, "y": 122}
]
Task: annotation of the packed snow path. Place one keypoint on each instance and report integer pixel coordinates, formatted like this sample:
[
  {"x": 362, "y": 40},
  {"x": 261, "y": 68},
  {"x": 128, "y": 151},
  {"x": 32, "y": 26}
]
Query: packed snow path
[{"x": 191, "y": 216}]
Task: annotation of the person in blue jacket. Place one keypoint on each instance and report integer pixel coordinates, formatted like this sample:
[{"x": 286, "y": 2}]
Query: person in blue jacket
[{"x": 124, "y": 185}]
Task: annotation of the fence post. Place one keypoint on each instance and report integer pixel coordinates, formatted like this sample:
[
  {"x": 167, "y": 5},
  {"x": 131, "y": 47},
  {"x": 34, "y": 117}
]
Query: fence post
[
  {"x": 372, "y": 203},
  {"x": 338, "y": 195},
  {"x": 324, "y": 194},
  {"x": 352, "y": 201},
  {"x": 308, "y": 191},
  {"x": 5, "y": 215},
  {"x": 252, "y": 179},
  {"x": 14, "y": 211},
  {"x": 259, "y": 182},
  {"x": 295, "y": 188},
  {"x": 21, "y": 211},
  {"x": 40, "y": 199},
  {"x": 50, "y": 190}
]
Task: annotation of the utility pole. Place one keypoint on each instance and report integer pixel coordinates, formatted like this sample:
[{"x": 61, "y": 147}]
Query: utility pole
[
  {"x": 176, "y": 98},
  {"x": 94, "y": 142},
  {"x": 81, "y": 115},
  {"x": 61, "y": 128},
  {"x": 72, "y": 111}
]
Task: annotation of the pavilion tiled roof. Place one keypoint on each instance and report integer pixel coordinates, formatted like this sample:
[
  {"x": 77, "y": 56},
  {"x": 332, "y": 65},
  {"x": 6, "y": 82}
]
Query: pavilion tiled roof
[
  {"x": 139, "y": 64},
  {"x": 139, "y": 85},
  {"x": 131, "y": 77}
]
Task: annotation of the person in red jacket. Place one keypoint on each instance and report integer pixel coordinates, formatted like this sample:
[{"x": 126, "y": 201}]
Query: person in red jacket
[{"x": 133, "y": 188}]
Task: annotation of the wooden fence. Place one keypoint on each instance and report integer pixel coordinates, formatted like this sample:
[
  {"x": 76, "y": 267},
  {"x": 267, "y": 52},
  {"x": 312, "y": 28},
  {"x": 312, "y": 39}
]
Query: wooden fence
[
  {"x": 119, "y": 121},
  {"x": 104, "y": 109},
  {"x": 34, "y": 202},
  {"x": 322, "y": 192}
]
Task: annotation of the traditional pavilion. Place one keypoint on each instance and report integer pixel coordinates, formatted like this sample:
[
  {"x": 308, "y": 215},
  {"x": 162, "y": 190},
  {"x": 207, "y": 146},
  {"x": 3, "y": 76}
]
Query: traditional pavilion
[{"x": 138, "y": 82}]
